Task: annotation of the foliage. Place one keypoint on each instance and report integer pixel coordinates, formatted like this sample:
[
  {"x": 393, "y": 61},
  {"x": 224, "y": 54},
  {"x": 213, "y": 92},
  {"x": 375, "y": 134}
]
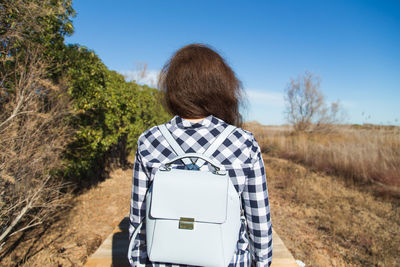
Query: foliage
[
  {"x": 109, "y": 113},
  {"x": 34, "y": 23},
  {"x": 64, "y": 116}
]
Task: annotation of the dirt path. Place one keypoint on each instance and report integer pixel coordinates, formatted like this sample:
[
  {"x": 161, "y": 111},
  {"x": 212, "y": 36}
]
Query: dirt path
[{"x": 96, "y": 213}]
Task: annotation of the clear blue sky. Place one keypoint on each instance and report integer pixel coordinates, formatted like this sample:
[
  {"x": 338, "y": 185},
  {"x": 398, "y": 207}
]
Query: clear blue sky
[{"x": 354, "y": 46}]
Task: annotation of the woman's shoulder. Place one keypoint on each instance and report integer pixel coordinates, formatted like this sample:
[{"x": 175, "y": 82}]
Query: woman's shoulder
[
  {"x": 246, "y": 133},
  {"x": 240, "y": 140},
  {"x": 238, "y": 148},
  {"x": 148, "y": 136},
  {"x": 248, "y": 141},
  {"x": 246, "y": 136}
]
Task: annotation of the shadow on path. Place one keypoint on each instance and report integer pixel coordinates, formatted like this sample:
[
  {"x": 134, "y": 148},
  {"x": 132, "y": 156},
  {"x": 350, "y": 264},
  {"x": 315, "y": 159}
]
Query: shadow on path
[{"x": 120, "y": 243}]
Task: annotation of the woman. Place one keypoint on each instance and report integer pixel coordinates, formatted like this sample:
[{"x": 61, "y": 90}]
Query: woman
[{"x": 203, "y": 93}]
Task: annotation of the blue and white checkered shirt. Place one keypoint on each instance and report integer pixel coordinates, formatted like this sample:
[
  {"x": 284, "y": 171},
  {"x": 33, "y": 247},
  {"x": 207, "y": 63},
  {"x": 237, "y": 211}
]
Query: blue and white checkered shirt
[{"x": 241, "y": 157}]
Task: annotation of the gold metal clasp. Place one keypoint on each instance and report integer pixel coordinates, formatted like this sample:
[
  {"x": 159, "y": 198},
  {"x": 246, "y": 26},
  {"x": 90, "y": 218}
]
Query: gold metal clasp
[{"x": 186, "y": 223}]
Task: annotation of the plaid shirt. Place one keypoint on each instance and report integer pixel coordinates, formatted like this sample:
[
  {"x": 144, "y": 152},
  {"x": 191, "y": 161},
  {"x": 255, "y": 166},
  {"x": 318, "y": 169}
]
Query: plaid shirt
[{"x": 241, "y": 157}]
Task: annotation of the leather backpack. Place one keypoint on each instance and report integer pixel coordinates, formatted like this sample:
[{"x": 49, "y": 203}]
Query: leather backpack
[{"x": 192, "y": 216}]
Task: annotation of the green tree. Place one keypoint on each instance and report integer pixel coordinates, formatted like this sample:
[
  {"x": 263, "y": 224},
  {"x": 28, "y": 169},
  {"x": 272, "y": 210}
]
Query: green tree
[{"x": 63, "y": 115}]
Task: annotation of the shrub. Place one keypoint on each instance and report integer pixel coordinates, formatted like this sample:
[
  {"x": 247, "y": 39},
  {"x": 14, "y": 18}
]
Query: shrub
[{"x": 109, "y": 114}]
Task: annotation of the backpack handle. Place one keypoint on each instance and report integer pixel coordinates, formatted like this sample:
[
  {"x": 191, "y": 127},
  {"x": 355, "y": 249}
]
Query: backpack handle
[{"x": 217, "y": 167}]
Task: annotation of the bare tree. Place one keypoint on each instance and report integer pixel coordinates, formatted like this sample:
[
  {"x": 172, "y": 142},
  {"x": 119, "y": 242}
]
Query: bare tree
[
  {"x": 306, "y": 108},
  {"x": 33, "y": 135},
  {"x": 33, "y": 131}
]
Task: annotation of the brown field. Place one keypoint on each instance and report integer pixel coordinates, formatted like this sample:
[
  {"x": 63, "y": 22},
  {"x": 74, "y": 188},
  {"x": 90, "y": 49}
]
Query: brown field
[
  {"x": 324, "y": 215},
  {"x": 335, "y": 196},
  {"x": 360, "y": 154}
]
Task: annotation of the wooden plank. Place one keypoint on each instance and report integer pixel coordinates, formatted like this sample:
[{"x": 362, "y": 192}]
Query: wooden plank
[
  {"x": 281, "y": 256},
  {"x": 113, "y": 251}
]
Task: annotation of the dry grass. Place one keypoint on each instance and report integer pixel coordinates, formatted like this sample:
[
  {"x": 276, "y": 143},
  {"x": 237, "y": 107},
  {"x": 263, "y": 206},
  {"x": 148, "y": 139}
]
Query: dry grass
[
  {"x": 325, "y": 222},
  {"x": 320, "y": 188},
  {"x": 359, "y": 154}
]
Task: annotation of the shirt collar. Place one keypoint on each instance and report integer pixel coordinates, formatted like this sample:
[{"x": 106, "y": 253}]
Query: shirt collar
[{"x": 209, "y": 121}]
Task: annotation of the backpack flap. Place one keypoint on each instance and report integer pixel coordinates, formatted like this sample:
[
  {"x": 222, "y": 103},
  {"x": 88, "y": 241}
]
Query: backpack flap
[{"x": 185, "y": 195}]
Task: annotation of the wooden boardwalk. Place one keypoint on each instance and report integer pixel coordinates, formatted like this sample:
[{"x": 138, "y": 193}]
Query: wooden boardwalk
[{"x": 113, "y": 251}]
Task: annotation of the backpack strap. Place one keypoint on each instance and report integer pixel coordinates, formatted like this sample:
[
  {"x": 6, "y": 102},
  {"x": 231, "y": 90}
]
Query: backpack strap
[
  {"x": 172, "y": 142},
  {"x": 132, "y": 239},
  {"x": 209, "y": 151},
  {"x": 216, "y": 144}
]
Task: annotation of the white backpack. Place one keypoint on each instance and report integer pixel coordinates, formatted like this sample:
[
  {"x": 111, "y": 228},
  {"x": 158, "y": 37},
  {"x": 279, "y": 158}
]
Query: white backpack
[{"x": 192, "y": 217}]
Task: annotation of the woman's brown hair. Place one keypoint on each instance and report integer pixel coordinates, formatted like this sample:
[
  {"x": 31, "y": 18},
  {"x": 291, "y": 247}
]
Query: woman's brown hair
[{"x": 197, "y": 82}]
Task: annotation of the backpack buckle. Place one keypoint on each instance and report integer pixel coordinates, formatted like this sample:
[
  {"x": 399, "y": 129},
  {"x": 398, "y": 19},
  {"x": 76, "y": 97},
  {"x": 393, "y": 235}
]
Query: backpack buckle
[
  {"x": 186, "y": 223},
  {"x": 193, "y": 167}
]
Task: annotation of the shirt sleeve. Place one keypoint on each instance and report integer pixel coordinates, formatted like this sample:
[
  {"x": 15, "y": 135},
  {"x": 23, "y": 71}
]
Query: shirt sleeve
[
  {"x": 140, "y": 184},
  {"x": 257, "y": 211}
]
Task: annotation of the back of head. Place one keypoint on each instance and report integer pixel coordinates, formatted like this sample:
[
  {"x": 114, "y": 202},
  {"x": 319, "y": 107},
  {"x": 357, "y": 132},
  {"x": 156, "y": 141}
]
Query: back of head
[{"x": 197, "y": 82}]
